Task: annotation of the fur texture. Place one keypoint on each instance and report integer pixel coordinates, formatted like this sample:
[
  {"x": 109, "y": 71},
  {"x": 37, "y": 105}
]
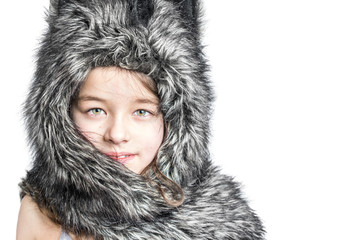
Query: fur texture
[{"x": 86, "y": 191}]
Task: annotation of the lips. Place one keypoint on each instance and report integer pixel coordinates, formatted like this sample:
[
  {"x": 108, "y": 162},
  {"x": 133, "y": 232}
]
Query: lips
[{"x": 121, "y": 157}]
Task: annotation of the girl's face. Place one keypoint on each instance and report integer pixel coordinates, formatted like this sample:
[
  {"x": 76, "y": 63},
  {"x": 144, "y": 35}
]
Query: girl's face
[{"x": 120, "y": 116}]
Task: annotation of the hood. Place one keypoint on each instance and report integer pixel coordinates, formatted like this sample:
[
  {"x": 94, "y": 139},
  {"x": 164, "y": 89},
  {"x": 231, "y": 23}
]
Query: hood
[{"x": 160, "y": 38}]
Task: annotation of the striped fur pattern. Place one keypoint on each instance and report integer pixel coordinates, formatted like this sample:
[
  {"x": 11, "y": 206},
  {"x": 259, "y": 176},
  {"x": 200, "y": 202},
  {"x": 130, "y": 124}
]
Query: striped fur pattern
[{"x": 91, "y": 194}]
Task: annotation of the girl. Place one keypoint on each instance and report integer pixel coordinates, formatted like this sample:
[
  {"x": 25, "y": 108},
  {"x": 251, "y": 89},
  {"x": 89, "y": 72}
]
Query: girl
[{"x": 118, "y": 120}]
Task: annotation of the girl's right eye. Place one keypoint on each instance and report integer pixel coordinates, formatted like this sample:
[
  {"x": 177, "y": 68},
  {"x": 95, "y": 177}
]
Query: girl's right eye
[{"x": 96, "y": 111}]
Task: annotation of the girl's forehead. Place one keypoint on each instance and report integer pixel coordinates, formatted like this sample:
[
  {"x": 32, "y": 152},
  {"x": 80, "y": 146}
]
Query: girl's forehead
[{"x": 115, "y": 82}]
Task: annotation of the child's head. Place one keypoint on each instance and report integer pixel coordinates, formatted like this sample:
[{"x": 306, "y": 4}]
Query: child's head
[{"x": 117, "y": 110}]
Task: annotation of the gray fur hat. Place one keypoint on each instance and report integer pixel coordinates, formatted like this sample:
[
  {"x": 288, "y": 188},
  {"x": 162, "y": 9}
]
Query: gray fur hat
[{"x": 86, "y": 191}]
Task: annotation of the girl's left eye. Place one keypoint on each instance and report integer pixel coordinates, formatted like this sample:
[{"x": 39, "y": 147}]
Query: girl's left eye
[
  {"x": 96, "y": 111},
  {"x": 141, "y": 113}
]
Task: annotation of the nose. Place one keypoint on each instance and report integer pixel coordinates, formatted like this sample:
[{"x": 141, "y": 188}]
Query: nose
[{"x": 117, "y": 131}]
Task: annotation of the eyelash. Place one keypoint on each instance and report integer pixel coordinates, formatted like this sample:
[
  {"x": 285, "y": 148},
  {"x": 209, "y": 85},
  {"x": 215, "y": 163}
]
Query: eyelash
[
  {"x": 137, "y": 112},
  {"x": 145, "y": 111},
  {"x": 93, "y": 109}
]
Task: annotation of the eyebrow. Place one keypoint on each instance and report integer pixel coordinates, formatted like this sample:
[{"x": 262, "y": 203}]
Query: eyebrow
[
  {"x": 137, "y": 100},
  {"x": 90, "y": 98},
  {"x": 147, "y": 101}
]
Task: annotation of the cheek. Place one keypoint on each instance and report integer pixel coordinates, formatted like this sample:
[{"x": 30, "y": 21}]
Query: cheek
[
  {"x": 153, "y": 137},
  {"x": 89, "y": 129}
]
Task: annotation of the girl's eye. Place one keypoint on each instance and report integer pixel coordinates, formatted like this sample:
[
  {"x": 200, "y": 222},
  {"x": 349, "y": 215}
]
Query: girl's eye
[
  {"x": 96, "y": 111},
  {"x": 141, "y": 113}
]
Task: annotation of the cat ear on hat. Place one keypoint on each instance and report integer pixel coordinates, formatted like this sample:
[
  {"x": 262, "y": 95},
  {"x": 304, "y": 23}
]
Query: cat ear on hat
[
  {"x": 189, "y": 11},
  {"x": 55, "y": 6},
  {"x": 187, "y": 7},
  {"x": 140, "y": 11}
]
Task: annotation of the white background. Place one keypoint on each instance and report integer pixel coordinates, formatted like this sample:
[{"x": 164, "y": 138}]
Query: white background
[{"x": 287, "y": 113}]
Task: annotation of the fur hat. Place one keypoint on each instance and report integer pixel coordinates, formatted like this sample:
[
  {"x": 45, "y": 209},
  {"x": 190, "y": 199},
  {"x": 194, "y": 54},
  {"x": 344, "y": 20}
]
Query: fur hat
[{"x": 157, "y": 37}]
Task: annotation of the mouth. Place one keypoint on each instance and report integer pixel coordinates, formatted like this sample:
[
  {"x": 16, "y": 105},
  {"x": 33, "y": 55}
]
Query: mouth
[{"x": 121, "y": 157}]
